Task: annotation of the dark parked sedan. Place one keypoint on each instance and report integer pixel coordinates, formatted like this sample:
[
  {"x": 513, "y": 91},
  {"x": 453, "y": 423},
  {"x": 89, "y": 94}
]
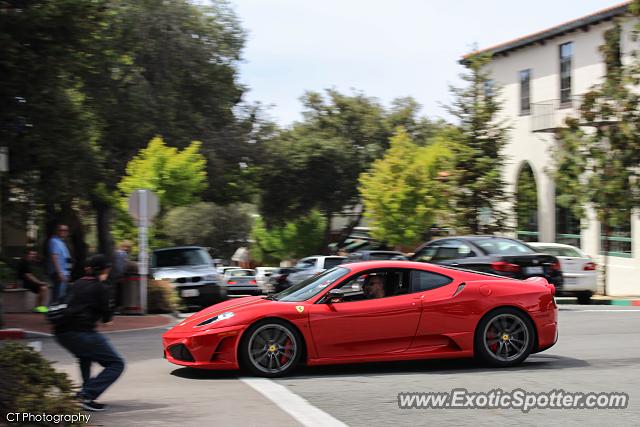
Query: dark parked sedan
[
  {"x": 491, "y": 254},
  {"x": 278, "y": 280}
]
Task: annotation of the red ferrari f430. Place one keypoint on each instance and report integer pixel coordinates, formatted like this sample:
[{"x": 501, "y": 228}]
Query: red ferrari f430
[{"x": 371, "y": 312}]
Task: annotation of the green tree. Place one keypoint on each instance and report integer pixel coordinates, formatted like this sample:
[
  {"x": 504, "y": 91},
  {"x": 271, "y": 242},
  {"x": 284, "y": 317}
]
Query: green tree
[
  {"x": 404, "y": 193},
  {"x": 315, "y": 165},
  {"x": 220, "y": 228},
  {"x": 479, "y": 154},
  {"x": 176, "y": 176},
  {"x": 597, "y": 158},
  {"x": 291, "y": 240}
]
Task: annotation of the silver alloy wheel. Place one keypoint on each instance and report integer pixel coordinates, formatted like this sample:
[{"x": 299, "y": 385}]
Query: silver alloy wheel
[
  {"x": 272, "y": 348},
  {"x": 506, "y": 337}
]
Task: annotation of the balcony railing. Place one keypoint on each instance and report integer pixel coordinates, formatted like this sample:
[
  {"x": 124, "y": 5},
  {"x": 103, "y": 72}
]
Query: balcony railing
[{"x": 549, "y": 115}]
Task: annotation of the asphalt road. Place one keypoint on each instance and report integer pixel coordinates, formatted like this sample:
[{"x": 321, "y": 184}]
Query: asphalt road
[{"x": 598, "y": 351}]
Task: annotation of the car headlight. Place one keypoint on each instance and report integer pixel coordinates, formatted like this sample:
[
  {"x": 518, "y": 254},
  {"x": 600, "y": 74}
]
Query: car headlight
[
  {"x": 223, "y": 316},
  {"x": 209, "y": 277}
]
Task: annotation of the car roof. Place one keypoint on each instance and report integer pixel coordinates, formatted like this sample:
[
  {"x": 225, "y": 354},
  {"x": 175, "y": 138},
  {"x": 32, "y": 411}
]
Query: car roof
[
  {"x": 552, "y": 245},
  {"x": 178, "y": 247},
  {"x": 459, "y": 273}
]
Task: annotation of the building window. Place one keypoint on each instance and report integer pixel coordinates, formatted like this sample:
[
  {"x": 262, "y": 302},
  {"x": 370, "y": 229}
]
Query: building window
[
  {"x": 617, "y": 242},
  {"x": 566, "y": 56},
  {"x": 527, "y": 205},
  {"x": 489, "y": 91},
  {"x": 525, "y": 91},
  {"x": 567, "y": 226}
]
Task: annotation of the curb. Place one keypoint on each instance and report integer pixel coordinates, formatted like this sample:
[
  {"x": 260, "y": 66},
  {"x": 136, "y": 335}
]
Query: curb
[
  {"x": 21, "y": 334},
  {"x": 625, "y": 302}
]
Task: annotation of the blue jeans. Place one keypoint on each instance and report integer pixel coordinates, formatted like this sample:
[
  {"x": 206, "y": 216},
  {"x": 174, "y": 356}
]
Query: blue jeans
[
  {"x": 89, "y": 347},
  {"x": 59, "y": 288}
]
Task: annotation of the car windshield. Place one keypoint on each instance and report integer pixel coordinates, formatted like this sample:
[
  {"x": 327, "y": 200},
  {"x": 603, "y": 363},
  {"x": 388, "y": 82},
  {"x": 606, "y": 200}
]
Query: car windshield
[
  {"x": 240, "y": 273},
  {"x": 312, "y": 286},
  {"x": 180, "y": 257},
  {"x": 559, "y": 251},
  {"x": 499, "y": 246}
]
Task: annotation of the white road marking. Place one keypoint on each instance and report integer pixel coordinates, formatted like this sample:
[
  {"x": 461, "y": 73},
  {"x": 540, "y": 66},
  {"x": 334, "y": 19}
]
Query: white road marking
[
  {"x": 300, "y": 409},
  {"x": 610, "y": 310}
]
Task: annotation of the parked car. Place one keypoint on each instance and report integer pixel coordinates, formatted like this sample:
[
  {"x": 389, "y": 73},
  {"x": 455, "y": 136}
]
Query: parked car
[
  {"x": 223, "y": 269},
  {"x": 578, "y": 269},
  {"x": 313, "y": 265},
  {"x": 376, "y": 256},
  {"x": 190, "y": 271},
  {"x": 426, "y": 312},
  {"x": 241, "y": 281},
  {"x": 278, "y": 280},
  {"x": 492, "y": 254},
  {"x": 262, "y": 276}
]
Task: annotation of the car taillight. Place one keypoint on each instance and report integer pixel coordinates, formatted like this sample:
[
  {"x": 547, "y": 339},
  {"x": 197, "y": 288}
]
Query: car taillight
[
  {"x": 590, "y": 266},
  {"x": 232, "y": 282},
  {"x": 506, "y": 267},
  {"x": 556, "y": 266},
  {"x": 252, "y": 282}
]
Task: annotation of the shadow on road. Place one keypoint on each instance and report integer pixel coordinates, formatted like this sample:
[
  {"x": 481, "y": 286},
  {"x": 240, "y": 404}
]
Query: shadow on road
[{"x": 434, "y": 367}]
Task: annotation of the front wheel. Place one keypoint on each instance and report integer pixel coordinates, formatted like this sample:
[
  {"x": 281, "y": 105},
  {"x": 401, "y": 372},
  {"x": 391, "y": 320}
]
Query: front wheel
[
  {"x": 504, "y": 338},
  {"x": 271, "y": 349}
]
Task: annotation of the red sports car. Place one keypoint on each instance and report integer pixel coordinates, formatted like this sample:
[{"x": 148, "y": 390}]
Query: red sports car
[{"x": 372, "y": 311}]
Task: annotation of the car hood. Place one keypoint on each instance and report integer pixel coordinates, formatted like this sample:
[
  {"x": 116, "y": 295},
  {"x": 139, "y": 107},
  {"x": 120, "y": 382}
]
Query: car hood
[
  {"x": 183, "y": 271},
  {"x": 240, "y": 308}
]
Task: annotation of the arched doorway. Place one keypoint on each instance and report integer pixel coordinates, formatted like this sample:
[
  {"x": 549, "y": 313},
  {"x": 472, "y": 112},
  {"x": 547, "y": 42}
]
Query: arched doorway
[{"x": 526, "y": 206}]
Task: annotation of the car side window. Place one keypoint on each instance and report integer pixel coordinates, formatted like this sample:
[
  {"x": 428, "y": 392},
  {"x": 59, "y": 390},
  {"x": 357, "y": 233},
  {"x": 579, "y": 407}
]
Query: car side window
[
  {"x": 426, "y": 280},
  {"x": 375, "y": 284},
  {"x": 452, "y": 249},
  {"x": 426, "y": 254},
  {"x": 306, "y": 263}
]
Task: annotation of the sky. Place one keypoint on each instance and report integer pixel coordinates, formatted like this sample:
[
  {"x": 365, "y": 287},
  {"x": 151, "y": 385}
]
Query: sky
[{"x": 386, "y": 49}]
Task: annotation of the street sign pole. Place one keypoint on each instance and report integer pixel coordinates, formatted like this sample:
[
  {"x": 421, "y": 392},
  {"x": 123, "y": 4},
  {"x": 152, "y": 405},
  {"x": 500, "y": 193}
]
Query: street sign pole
[
  {"x": 143, "y": 257},
  {"x": 143, "y": 206}
]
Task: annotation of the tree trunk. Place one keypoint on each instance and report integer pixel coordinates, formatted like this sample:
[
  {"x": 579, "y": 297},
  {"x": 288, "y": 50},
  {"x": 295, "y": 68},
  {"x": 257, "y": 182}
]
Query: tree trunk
[
  {"x": 70, "y": 217},
  {"x": 607, "y": 246},
  {"x": 346, "y": 232},
  {"x": 103, "y": 221},
  {"x": 327, "y": 234}
]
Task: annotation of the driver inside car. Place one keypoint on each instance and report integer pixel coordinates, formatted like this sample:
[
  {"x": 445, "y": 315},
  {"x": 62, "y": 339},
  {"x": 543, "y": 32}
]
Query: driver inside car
[{"x": 374, "y": 287}]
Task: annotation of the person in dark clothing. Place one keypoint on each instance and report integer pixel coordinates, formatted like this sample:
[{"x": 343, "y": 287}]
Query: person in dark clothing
[
  {"x": 89, "y": 301},
  {"x": 30, "y": 280}
]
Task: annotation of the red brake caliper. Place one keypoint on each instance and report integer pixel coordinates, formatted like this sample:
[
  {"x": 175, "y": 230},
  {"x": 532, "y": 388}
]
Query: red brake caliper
[
  {"x": 283, "y": 357},
  {"x": 491, "y": 336}
]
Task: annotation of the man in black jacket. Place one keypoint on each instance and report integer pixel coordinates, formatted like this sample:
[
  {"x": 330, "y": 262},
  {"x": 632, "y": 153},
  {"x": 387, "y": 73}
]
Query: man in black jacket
[{"x": 89, "y": 302}]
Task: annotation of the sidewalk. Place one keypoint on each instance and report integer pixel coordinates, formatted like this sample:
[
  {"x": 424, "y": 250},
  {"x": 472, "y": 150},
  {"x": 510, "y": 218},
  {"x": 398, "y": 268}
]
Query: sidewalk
[{"x": 19, "y": 325}]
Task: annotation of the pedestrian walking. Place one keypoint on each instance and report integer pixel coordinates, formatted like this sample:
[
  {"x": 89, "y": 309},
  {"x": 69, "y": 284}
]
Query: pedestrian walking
[
  {"x": 58, "y": 261},
  {"x": 120, "y": 264},
  {"x": 89, "y": 301},
  {"x": 29, "y": 280}
]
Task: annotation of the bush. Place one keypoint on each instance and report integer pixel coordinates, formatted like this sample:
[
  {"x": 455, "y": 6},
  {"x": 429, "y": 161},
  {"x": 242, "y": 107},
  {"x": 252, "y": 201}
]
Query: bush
[
  {"x": 28, "y": 383},
  {"x": 162, "y": 297}
]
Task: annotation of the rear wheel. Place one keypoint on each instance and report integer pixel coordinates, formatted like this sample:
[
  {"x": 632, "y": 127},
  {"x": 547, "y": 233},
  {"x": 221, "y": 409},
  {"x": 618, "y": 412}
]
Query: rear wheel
[
  {"x": 505, "y": 337},
  {"x": 271, "y": 349},
  {"x": 584, "y": 297}
]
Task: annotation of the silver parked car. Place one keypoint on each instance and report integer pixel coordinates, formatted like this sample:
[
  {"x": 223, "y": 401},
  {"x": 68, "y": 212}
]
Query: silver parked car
[
  {"x": 190, "y": 271},
  {"x": 241, "y": 281}
]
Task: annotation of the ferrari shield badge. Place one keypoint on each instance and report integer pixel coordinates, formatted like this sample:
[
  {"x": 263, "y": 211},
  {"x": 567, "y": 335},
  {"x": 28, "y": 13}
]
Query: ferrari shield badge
[{"x": 300, "y": 308}]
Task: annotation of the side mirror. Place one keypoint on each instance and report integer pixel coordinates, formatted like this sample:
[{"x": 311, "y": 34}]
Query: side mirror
[{"x": 333, "y": 295}]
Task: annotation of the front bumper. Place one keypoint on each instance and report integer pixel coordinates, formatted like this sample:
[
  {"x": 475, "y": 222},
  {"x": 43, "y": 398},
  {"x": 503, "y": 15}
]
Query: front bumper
[
  {"x": 242, "y": 290},
  {"x": 210, "y": 349},
  {"x": 202, "y": 295}
]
